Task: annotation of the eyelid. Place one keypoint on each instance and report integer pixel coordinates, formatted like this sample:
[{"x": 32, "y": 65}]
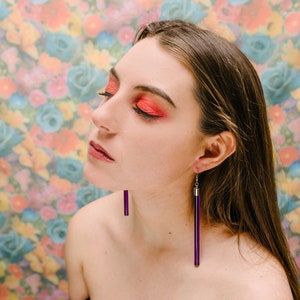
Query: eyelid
[{"x": 149, "y": 107}]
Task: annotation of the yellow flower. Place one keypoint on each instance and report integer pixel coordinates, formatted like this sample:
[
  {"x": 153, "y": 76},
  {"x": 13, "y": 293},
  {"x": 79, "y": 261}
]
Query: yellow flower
[
  {"x": 296, "y": 94},
  {"x": 81, "y": 151},
  {"x": 2, "y": 268},
  {"x": 294, "y": 218},
  {"x": 13, "y": 118},
  {"x": 67, "y": 109},
  {"x": 275, "y": 24},
  {"x": 212, "y": 23},
  {"x": 101, "y": 59},
  {"x": 45, "y": 265},
  {"x": 25, "y": 229},
  {"x": 82, "y": 127},
  {"x": 21, "y": 33},
  {"x": 74, "y": 25},
  {"x": 3, "y": 202},
  {"x": 290, "y": 186},
  {"x": 291, "y": 54},
  {"x": 33, "y": 157},
  {"x": 11, "y": 282}
]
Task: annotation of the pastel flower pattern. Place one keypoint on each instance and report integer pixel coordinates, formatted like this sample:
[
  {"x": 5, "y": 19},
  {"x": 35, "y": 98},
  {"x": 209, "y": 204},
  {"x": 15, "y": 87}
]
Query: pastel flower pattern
[{"x": 54, "y": 57}]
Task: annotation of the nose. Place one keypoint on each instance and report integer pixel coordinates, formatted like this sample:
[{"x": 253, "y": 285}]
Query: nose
[{"x": 105, "y": 116}]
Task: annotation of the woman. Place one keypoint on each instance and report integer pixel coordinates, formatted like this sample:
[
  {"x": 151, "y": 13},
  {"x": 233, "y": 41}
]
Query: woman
[{"x": 182, "y": 110}]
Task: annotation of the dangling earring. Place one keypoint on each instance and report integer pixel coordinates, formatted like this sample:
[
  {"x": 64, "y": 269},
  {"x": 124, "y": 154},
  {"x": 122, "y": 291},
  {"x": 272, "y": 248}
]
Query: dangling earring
[
  {"x": 126, "y": 205},
  {"x": 196, "y": 223}
]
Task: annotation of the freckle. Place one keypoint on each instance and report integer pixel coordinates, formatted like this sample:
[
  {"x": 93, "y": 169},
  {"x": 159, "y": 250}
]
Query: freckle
[{"x": 170, "y": 232}]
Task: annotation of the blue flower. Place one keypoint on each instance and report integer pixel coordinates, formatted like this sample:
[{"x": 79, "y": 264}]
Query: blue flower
[
  {"x": 286, "y": 203},
  {"x": 105, "y": 39},
  {"x": 17, "y": 101},
  {"x": 88, "y": 194},
  {"x": 9, "y": 137},
  {"x": 13, "y": 246},
  {"x": 279, "y": 81},
  {"x": 184, "y": 10},
  {"x": 69, "y": 168},
  {"x": 85, "y": 80},
  {"x": 4, "y": 11},
  {"x": 237, "y": 2},
  {"x": 49, "y": 118},
  {"x": 61, "y": 45},
  {"x": 258, "y": 47},
  {"x": 29, "y": 215},
  {"x": 57, "y": 230},
  {"x": 3, "y": 220},
  {"x": 38, "y": 1},
  {"x": 294, "y": 169}
]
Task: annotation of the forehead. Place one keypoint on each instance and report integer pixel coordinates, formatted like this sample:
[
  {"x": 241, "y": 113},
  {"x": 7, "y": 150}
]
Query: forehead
[{"x": 147, "y": 62}]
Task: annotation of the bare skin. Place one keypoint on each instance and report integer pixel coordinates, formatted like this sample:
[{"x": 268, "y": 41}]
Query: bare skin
[
  {"x": 110, "y": 256},
  {"x": 149, "y": 254}
]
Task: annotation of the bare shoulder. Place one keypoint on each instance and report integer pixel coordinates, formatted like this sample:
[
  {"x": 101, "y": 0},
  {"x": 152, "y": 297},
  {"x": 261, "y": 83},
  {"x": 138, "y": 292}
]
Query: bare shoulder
[
  {"x": 260, "y": 274},
  {"x": 92, "y": 221},
  {"x": 89, "y": 226},
  {"x": 98, "y": 211}
]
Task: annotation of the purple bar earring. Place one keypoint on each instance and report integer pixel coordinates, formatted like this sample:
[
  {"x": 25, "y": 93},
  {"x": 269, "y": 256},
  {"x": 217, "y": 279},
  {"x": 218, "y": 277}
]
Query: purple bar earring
[
  {"x": 196, "y": 223},
  {"x": 126, "y": 204}
]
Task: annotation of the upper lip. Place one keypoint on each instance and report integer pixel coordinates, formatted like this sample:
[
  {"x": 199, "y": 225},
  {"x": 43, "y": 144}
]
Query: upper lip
[{"x": 100, "y": 149}]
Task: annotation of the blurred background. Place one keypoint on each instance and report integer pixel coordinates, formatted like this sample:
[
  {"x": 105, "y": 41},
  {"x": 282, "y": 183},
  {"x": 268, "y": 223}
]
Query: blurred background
[{"x": 54, "y": 56}]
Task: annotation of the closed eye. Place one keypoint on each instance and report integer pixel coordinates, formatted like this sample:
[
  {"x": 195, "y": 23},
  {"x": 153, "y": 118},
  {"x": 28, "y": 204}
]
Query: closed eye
[
  {"x": 145, "y": 115},
  {"x": 105, "y": 94}
]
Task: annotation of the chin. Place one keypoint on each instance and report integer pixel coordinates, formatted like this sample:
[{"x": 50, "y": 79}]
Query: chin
[{"x": 98, "y": 179}]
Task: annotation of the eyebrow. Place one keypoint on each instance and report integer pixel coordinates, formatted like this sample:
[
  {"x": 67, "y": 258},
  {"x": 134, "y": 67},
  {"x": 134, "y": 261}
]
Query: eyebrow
[{"x": 146, "y": 88}]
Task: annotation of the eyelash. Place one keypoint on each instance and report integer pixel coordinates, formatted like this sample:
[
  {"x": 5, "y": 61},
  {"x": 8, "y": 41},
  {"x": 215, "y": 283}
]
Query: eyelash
[
  {"x": 144, "y": 115},
  {"x": 105, "y": 94},
  {"x": 140, "y": 112}
]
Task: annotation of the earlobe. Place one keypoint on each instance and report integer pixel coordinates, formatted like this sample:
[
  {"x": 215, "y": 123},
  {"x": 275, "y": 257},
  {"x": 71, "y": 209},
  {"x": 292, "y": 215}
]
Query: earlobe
[{"x": 216, "y": 150}]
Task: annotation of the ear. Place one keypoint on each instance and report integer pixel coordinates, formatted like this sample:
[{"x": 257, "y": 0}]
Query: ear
[{"x": 215, "y": 150}]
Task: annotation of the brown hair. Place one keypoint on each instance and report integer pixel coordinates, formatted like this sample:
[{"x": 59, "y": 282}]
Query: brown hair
[{"x": 241, "y": 192}]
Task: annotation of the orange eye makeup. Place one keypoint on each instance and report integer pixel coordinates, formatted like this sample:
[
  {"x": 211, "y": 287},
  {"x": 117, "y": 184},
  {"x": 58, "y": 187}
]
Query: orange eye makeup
[
  {"x": 112, "y": 86},
  {"x": 149, "y": 107}
]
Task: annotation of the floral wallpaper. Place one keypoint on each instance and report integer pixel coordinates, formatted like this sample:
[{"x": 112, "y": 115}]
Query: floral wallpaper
[{"x": 54, "y": 56}]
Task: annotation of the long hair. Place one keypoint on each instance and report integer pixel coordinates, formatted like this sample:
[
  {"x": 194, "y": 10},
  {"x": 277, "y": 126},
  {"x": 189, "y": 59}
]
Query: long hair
[{"x": 240, "y": 192}]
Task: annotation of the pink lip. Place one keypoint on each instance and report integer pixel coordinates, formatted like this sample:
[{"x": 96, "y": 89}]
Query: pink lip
[{"x": 98, "y": 152}]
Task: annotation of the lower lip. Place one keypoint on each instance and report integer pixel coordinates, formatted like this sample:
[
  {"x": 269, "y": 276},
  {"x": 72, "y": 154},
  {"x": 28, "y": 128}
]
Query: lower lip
[{"x": 98, "y": 155}]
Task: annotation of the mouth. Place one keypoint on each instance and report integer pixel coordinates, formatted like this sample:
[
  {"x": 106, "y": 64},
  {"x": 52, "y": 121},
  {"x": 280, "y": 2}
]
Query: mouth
[{"x": 98, "y": 152}]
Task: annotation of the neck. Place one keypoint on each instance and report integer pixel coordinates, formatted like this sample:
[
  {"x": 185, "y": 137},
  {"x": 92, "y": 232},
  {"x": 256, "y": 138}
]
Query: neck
[{"x": 162, "y": 218}]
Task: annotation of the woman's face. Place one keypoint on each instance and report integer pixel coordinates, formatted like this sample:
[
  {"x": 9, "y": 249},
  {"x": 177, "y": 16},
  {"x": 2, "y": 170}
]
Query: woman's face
[{"x": 147, "y": 124}]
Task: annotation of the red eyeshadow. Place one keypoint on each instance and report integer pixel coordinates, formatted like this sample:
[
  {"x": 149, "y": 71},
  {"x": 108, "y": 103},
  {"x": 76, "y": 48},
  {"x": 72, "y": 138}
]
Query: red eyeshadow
[
  {"x": 149, "y": 107},
  {"x": 112, "y": 86}
]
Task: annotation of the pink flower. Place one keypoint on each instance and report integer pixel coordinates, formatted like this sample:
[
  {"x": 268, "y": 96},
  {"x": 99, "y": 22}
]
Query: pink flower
[
  {"x": 48, "y": 213},
  {"x": 41, "y": 197},
  {"x": 294, "y": 126},
  {"x": 33, "y": 79},
  {"x": 10, "y": 57},
  {"x": 226, "y": 12},
  {"x": 51, "y": 248},
  {"x": 57, "y": 87},
  {"x": 148, "y": 17},
  {"x": 92, "y": 25},
  {"x": 126, "y": 35},
  {"x": 30, "y": 11},
  {"x": 67, "y": 204},
  {"x": 37, "y": 98},
  {"x": 292, "y": 23},
  {"x": 41, "y": 138},
  {"x": 34, "y": 281},
  {"x": 117, "y": 16},
  {"x": 23, "y": 177}
]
